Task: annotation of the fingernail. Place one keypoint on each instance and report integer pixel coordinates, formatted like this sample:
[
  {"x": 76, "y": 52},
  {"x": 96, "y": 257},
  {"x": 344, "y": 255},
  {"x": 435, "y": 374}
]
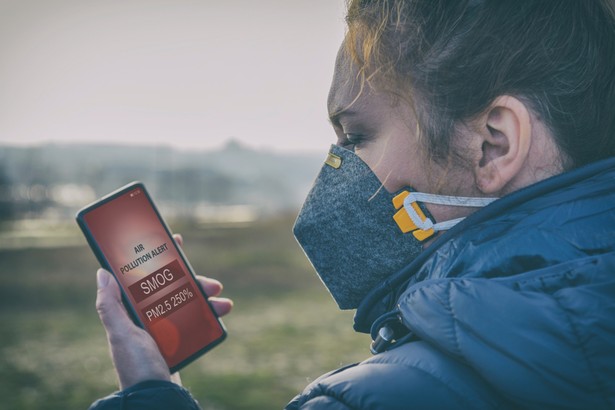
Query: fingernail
[{"x": 102, "y": 278}]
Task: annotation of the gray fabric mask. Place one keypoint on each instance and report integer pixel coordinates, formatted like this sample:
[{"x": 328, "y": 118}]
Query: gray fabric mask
[
  {"x": 356, "y": 234},
  {"x": 347, "y": 231}
]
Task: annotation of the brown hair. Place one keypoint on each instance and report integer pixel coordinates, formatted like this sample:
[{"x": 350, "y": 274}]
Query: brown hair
[{"x": 452, "y": 58}]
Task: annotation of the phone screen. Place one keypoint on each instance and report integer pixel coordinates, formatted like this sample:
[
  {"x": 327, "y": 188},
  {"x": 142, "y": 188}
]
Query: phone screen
[{"x": 130, "y": 239}]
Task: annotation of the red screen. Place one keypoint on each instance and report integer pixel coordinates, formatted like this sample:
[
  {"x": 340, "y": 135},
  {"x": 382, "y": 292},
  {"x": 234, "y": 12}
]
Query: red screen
[{"x": 144, "y": 259}]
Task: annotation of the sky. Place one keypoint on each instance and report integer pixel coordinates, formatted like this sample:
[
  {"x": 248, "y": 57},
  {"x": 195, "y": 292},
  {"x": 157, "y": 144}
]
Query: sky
[{"x": 191, "y": 74}]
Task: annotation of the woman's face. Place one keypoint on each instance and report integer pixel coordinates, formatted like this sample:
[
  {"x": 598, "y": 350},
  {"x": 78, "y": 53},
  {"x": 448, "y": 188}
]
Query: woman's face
[{"x": 383, "y": 133}]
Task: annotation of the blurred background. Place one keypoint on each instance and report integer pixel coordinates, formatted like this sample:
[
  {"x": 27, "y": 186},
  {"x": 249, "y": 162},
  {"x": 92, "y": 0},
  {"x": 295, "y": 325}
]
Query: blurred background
[{"x": 219, "y": 107}]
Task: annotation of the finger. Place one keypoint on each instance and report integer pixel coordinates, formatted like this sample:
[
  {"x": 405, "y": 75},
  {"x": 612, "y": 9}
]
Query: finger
[
  {"x": 222, "y": 306},
  {"x": 211, "y": 286},
  {"x": 109, "y": 305},
  {"x": 175, "y": 378},
  {"x": 179, "y": 239}
]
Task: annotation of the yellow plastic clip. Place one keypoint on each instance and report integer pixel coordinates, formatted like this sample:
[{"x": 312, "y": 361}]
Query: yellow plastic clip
[
  {"x": 333, "y": 161},
  {"x": 403, "y": 220}
]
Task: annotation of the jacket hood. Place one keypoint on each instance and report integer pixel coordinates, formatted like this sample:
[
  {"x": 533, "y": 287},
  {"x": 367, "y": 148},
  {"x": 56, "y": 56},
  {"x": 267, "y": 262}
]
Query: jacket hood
[{"x": 543, "y": 339}]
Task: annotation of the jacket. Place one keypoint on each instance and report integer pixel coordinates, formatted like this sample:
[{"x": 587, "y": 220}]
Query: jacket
[{"x": 512, "y": 308}]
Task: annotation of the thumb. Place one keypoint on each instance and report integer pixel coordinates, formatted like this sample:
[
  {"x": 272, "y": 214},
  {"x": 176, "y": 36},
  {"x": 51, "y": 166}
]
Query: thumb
[{"x": 109, "y": 304}]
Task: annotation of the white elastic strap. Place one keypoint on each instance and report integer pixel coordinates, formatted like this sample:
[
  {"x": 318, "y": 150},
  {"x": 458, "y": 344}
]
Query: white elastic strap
[
  {"x": 424, "y": 225},
  {"x": 440, "y": 200},
  {"x": 446, "y": 225},
  {"x": 468, "y": 201}
]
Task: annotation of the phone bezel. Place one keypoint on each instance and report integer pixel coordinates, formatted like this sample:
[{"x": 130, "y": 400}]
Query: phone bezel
[{"x": 106, "y": 265}]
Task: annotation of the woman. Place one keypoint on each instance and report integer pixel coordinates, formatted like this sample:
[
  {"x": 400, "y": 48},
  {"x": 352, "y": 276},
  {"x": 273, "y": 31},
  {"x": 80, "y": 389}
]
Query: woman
[{"x": 467, "y": 212}]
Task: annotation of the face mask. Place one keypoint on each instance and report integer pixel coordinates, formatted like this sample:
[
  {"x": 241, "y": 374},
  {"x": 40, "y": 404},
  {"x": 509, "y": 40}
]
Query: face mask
[{"x": 356, "y": 234}]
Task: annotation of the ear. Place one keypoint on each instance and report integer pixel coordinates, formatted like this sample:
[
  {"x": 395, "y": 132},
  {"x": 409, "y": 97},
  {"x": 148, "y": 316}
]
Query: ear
[{"x": 506, "y": 135}]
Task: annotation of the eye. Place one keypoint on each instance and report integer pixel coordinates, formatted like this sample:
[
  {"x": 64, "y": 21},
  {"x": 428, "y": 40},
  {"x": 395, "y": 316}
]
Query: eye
[{"x": 352, "y": 140}]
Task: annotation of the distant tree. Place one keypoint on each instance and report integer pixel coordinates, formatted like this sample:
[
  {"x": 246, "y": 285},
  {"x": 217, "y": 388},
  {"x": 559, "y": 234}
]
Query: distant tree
[
  {"x": 7, "y": 209},
  {"x": 190, "y": 185}
]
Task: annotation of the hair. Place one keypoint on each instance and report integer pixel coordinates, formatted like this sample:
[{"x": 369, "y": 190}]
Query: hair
[{"x": 452, "y": 58}]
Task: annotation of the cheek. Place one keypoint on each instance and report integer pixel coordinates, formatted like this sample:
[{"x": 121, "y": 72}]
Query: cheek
[{"x": 395, "y": 162}]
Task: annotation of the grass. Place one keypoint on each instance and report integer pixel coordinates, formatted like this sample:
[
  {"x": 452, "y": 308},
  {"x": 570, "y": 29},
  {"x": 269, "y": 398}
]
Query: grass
[{"x": 284, "y": 331}]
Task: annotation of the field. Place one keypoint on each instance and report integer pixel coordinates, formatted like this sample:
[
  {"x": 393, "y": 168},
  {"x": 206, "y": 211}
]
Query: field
[{"x": 285, "y": 329}]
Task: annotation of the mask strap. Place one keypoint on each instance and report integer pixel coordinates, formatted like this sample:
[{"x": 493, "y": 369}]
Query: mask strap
[{"x": 427, "y": 223}]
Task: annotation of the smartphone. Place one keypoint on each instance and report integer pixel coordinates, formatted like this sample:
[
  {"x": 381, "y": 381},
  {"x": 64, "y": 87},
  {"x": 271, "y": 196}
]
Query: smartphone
[{"x": 131, "y": 240}]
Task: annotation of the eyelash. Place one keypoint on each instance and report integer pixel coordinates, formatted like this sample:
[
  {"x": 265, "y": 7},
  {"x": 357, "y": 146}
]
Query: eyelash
[{"x": 352, "y": 140}]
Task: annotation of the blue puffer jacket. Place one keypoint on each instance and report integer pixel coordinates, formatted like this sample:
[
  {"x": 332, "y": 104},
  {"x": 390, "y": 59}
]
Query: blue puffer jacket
[{"x": 512, "y": 308}]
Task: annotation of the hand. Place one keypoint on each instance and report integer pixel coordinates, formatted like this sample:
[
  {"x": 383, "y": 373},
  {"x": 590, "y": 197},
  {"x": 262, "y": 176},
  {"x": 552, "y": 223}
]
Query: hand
[{"x": 134, "y": 353}]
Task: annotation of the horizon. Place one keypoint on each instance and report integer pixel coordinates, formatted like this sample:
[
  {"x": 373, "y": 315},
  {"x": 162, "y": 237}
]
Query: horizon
[{"x": 223, "y": 145}]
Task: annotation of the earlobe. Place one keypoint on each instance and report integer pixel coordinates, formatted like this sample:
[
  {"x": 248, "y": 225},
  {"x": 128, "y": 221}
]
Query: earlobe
[{"x": 506, "y": 134}]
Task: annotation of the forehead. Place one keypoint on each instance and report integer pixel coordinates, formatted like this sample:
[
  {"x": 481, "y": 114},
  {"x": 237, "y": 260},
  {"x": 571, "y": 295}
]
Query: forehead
[
  {"x": 346, "y": 85},
  {"x": 351, "y": 96}
]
